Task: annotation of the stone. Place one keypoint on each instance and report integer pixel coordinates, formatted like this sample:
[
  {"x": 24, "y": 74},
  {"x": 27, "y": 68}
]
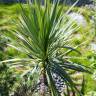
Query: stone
[
  {"x": 79, "y": 18},
  {"x": 68, "y": 2},
  {"x": 12, "y": 1},
  {"x": 93, "y": 46}
]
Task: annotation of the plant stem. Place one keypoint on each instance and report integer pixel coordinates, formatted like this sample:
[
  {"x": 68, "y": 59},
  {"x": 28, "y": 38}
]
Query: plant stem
[{"x": 42, "y": 81}]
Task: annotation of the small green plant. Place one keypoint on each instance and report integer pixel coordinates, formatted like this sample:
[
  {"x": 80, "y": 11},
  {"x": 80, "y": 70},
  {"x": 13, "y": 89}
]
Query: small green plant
[{"x": 7, "y": 80}]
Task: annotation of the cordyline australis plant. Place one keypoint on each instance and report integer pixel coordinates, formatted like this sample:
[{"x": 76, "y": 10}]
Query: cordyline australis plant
[{"x": 41, "y": 34}]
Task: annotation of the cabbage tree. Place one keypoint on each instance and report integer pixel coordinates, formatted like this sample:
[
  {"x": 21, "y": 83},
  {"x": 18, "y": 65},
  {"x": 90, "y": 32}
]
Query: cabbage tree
[{"x": 43, "y": 33}]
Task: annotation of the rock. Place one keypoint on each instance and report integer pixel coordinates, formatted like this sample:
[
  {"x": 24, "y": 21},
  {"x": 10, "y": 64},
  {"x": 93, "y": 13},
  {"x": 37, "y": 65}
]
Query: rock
[
  {"x": 58, "y": 82},
  {"x": 68, "y": 2},
  {"x": 93, "y": 46},
  {"x": 12, "y": 1},
  {"x": 91, "y": 6},
  {"x": 79, "y": 18}
]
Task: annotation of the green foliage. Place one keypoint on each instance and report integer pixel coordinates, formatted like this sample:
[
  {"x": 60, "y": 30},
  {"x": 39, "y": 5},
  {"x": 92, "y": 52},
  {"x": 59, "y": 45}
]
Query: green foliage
[
  {"x": 7, "y": 80},
  {"x": 6, "y": 76}
]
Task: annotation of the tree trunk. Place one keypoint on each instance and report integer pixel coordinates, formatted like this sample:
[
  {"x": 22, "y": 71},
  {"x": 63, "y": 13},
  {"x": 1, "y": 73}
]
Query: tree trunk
[{"x": 42, "y": 82}]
